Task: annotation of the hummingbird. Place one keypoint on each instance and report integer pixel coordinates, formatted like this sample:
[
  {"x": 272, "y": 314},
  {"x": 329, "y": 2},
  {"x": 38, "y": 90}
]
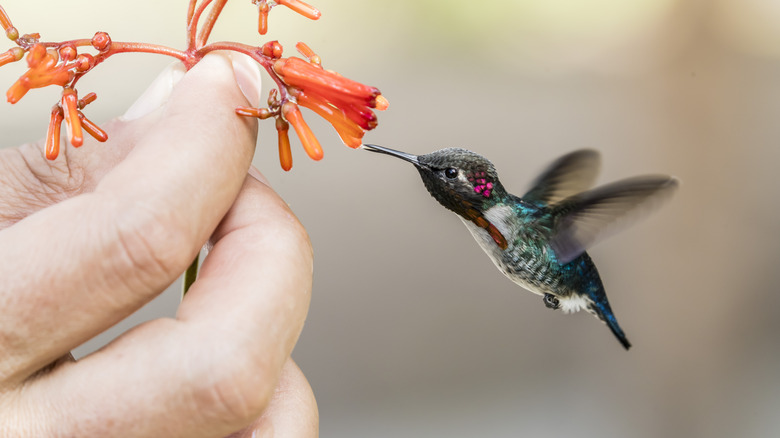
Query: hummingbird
[{"x": 538, "y": 240}]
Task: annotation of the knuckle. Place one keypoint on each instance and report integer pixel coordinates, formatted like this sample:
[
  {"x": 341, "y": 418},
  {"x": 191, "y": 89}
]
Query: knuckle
[
  {"x": 291, "y": 236},
  {"x": 237, "y": 391},
  {"x": 148, "y": 245}
]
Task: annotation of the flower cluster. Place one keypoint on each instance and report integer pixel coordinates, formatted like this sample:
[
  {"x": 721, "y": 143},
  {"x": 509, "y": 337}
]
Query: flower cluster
[
  {"x": 344, "y": 103},
  {"x": 49, "y": 67},
  {"x": 69, "y": 110}
]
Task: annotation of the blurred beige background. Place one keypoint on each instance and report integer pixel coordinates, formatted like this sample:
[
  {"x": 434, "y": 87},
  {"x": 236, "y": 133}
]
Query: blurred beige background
[{"x": 412, "y": 331}]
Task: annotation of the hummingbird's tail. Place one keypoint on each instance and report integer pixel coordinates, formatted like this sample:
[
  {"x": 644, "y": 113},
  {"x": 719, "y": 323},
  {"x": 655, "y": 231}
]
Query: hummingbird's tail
[{"x": 609, "y": 318}]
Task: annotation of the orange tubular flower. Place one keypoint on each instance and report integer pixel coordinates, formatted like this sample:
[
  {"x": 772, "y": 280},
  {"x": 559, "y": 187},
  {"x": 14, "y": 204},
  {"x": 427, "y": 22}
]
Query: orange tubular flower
[
  {"x": 308, "y": 53},
  {"x": 350, "y": 133},
  {"x": 262, "y": 25},
  {"x": 298, "y": 6},
  {"x": 45, "y": 69},
  {"x": 285, "y": 154},
  {"x": 310, "y": 143},
  {"x": 12, "y": 55},
  {"x": 346, "y": 104},
  {"x": 70, "y": 109},
  {"x": 5, "y": 20},
  {"x": 92, "y": 129},
  {"x": 302, "y": 74},
  {"x": 302, "y": 8},
  {"x": 53, "y": 136},
  {"x": 381, "y": 103},
  {"x": 5, "y": 23}
]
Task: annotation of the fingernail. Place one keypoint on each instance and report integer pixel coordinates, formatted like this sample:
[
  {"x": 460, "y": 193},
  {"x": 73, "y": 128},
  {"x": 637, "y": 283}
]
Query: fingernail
[
  {"x": 248, "y": 77},
  {"x": 157, "y": 93}
]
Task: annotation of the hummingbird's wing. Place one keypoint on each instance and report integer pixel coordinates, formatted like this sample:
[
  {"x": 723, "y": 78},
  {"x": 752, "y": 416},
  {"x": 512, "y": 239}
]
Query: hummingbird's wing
[
  {"x": 566, "y": 176},
  {"x": 583, "y": 219}
]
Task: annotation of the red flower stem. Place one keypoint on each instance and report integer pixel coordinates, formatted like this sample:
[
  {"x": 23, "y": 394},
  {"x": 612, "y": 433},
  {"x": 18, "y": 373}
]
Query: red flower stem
[
  {"x": 191, "y": 11},
  {"x": 208, "y": 26},
  {"x": 192, "y": 27},
  {"x": 246, "y": 49},
  {"x": 119, "y": 47},
  {"x": 75, "y": 43}
]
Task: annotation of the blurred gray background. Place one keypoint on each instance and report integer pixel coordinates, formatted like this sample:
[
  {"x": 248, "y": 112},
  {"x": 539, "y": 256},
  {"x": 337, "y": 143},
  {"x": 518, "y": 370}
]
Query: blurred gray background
[{"x": 412, "y": 331}]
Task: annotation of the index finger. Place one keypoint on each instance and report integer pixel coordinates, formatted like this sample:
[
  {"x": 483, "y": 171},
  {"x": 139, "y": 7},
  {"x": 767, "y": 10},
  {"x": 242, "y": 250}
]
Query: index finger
[{"x": 76, "y": 268}]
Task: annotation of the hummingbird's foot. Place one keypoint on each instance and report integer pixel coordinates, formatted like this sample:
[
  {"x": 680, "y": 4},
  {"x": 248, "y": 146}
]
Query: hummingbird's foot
[{"x": 551, "y": 301}]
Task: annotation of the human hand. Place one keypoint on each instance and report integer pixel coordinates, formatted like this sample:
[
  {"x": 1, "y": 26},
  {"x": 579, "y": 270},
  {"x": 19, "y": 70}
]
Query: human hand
[{"x": 89, "y": 238}]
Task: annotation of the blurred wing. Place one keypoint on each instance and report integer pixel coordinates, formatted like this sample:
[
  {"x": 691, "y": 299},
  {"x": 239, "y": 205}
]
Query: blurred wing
[
  {"x": 588, "y": 217},
  {"x": 568, "y": 175}
]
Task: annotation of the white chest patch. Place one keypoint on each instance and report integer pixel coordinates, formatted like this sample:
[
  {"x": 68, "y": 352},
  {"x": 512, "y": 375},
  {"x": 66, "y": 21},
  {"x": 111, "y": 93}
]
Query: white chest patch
[
  {"x": 573, "y": 303},
  {"x": 497, "y": 216}
]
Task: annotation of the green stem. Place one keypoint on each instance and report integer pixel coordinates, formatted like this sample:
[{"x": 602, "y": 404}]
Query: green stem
[{"x": 190, "y": 275}]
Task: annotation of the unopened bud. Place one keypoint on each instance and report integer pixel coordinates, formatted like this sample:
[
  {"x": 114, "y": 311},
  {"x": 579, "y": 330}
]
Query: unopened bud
[
  {"x": 84, "y": 62},
  {"x": 101, "y": 41},
  {"x": 12, "y": 33},
  {"x": 68, "y": 53},
  {"x": 272, "y": 49}
]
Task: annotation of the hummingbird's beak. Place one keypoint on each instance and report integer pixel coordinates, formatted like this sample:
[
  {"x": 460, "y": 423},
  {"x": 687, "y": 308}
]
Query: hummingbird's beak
[{"x": 398, "y": 154}]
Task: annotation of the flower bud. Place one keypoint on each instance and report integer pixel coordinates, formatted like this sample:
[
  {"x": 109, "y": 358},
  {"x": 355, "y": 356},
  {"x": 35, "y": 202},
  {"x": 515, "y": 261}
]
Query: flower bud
[
  {"x": 101, "y": 41},
  {"x": 12, "y": 33},
  {"x": 68, "y": 53},
  {"x": 272, "y": 49},
  {"x": 84, "y": 62},
  {"x": 86, "y": 100}
]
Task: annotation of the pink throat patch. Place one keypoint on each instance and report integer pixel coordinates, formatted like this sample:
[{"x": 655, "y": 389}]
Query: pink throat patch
[{"x": 481, "y": 184}]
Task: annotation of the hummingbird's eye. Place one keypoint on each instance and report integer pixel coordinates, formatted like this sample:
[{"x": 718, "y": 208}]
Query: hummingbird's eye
[{"x": 451, "y": 172}]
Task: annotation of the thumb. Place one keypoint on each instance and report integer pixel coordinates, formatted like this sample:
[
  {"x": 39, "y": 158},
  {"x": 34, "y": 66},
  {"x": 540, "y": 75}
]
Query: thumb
[{"x": 245, "y": 70}]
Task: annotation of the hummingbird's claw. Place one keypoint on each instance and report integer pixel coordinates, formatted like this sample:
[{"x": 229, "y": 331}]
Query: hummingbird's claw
[{"x": 551, "y": 301}]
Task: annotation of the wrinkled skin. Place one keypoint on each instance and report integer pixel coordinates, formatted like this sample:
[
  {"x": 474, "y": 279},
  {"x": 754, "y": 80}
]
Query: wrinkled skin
[{"x": 91, "y": 237}]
